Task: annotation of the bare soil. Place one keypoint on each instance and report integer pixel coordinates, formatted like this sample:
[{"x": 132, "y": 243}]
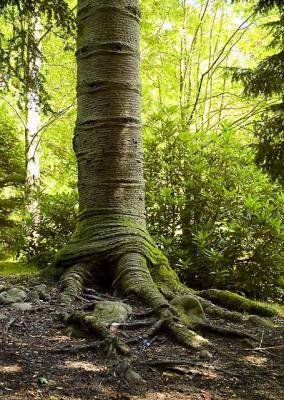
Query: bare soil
[{"x": 38, "y": 360}]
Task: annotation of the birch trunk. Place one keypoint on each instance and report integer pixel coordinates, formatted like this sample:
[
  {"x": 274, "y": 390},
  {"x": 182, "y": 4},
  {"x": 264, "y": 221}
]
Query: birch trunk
[{"x": 32, "y": 131}]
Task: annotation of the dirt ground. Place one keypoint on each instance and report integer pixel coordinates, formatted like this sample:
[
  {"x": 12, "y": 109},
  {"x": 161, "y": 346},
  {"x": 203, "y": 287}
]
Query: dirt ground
[{"x": 38, "y": 360}]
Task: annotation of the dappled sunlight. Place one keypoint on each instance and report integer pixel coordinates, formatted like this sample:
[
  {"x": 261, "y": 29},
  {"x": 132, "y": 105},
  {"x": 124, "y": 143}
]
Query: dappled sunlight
[
  {"x": 184, "y": 395},
  {"x": 85, "y": 365},
  {"x": 59, "y": 338},
  {"x": 257, "y": 361},
  {"x": 10, "y": 369},
  {"x": 15, "y": 268}
]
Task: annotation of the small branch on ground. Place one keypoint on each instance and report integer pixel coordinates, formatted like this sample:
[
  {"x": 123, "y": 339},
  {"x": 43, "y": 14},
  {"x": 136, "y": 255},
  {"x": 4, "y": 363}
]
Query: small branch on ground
[{"x": 132, "y": 324}]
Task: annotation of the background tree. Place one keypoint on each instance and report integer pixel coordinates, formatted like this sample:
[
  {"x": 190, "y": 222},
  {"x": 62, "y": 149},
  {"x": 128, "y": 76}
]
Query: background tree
[
  {"x": 12, "y": 176},
  {"x": 22, "y": 83},
  {"x": 266, "y": 80}
]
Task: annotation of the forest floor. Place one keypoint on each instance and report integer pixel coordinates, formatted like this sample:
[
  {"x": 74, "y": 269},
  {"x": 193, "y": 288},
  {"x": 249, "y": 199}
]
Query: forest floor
[{"x": 38, "y": 360}]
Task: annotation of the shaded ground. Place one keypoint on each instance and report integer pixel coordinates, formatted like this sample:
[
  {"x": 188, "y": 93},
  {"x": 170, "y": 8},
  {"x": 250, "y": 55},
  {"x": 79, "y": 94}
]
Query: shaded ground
[{"x": 39, "y": 361}]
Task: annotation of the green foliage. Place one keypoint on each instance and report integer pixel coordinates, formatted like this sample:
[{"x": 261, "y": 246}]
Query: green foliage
[
  {"x": 270, "y": 147},
  {"x": 217, "y": 217},
  {"x": 12, "y": 268},
  {"x": 19, "y": 46},
  {"x": 57, "y": 223},
  {"x": 267, "y": 80},
  {"x": 11, "y": 176},
  {"x": 215, "y": 214}
]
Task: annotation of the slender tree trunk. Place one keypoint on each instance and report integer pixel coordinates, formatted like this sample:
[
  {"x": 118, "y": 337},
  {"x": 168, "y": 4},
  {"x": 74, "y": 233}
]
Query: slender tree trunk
[{"x": 32, "y": 130}]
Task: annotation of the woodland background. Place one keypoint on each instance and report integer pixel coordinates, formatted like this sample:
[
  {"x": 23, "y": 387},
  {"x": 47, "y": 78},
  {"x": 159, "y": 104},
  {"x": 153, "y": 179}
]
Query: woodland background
[{"x": 212, "y": 75}]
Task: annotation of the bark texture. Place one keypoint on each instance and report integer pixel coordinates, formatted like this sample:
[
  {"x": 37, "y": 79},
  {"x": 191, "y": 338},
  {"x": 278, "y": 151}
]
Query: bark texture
[{"x": 107, "y": 139}]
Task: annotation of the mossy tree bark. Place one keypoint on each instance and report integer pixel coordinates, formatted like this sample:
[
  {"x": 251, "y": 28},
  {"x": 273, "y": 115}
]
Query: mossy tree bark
[
  {"x": 107, "y": 140},
  {"x": 111, "y": 241}
]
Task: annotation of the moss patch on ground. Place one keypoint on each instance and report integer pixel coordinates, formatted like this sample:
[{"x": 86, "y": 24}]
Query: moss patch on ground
[{"x": 13, "y": 268}]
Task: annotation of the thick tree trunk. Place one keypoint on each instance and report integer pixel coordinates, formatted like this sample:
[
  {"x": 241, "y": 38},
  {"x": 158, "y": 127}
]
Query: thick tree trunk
[
  {"x": 111, "y": 237},
  {"x": 108, "y": 142}
]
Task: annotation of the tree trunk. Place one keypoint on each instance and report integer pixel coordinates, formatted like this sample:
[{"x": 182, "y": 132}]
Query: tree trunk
[
  {"x": 107, "y": 140},
  {"x": 32, "y": 131},
  {"x": 111, "y": 240}
]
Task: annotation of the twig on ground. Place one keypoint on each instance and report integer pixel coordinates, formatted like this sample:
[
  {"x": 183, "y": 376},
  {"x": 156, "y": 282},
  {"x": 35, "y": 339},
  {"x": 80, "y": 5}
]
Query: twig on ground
[
  {"x": 132, "y": 324},
  {"x": 261, "y": 340},
  {"x": 281, "y": 346}
]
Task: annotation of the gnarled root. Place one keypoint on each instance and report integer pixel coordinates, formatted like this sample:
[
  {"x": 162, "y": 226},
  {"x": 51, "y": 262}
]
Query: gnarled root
[
  {"x": 93, "y": 324},
  {"x": 175, "y": 308},
  {"x": 235, "y": 302},
  {"x": 73, "y": 281},
  {"x": 134, "y": 277}
]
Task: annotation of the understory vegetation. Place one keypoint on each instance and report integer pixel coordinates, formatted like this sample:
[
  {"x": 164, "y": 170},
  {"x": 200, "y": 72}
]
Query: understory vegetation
[{"x": 215, "y": 214}]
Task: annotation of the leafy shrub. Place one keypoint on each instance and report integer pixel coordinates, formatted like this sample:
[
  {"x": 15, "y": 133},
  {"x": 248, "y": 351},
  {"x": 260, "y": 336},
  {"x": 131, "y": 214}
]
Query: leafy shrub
[
  {"x": 11, "y": 177},
  {"x": 57, "y": 223},
  {"x": 214, "y": 213}
]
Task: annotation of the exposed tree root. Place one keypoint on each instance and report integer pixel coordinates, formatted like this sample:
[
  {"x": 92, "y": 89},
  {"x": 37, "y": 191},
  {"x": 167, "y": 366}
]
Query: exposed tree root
[
  {"x": 135, "y": 278},
  {"x": 73, "y": 281},
  {"x": 90, "y": 322},
  {"x": 226, "y": 331},
  {"x": 137, "y": 268},
  {"x": 132, "y": 324},
  {"x": 8, "y": 325},
  {"x": 233, "y": 301},
  {"x": 233, "y": 316},
  {"x": 172, "y": 364}
]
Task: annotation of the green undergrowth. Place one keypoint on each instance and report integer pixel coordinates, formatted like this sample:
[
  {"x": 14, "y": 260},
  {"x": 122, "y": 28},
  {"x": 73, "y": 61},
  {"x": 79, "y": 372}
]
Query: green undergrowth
[
  {"x": 279, "y": 308},
  {"x": 14, "y": 268}
]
